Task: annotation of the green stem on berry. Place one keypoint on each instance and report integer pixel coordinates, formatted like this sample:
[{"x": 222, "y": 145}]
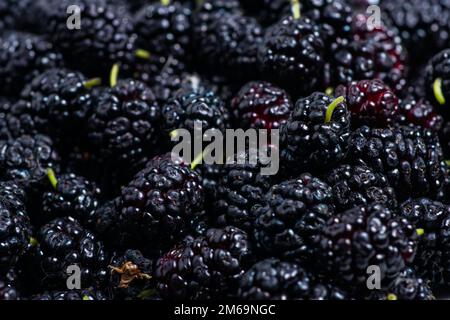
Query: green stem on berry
[
  {"x": 114, "y": 75},
  {"x": 52, "y": 177},
  {"x": 33, "y": 242},
  {"x": 331, "y": 107},
  {"x": 437, "y": 89},
  {"x": 94, "y": 82},
  {"x": 420, "y": 232},
  {"x": 85, "y": 298},
  {"x": 392, "y": 297},
  {"x": 142, "y": 54},
  {"x": 198, "y": 159},
  {"x": 174, "y": 133},
  {"x": 329, "y": 91},
  {"x": 296, "y": 9},
  {"x": 165, "y": 2},
  {"x": 447, "y": 162}
]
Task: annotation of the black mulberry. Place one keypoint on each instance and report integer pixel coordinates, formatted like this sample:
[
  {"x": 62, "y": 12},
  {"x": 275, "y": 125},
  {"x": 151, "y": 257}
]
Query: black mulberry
[
  {"x": 207, "y": 267},
  {"x": 433, "y": 256},
  {"x": 22, "y": 57},
  {"x": 359, "y": 185},
  {"x": 410, "y": 157},
  {"x": 63, "y": 243},
  {"x": 361, "y": 237},
  {"x": 160, "y": 201},
  {"x": 294, "y": 212},
  {"x": 261, "y": 105},
  {"x": 316, "y": 133},
  {"x": 272, "y": 279},
  {"x": 292, "y": 54},
  {"x": 15, "y": 226},
  {"x": 124, "y": 123}
]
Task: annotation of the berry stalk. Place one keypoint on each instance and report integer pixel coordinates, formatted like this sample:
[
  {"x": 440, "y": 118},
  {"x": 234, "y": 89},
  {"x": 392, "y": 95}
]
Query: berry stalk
[
  {"x": 52, "y": 177},
  {"x": 420, "y": 232},
  {"x": 142, "y": 54},
  {"x": 89, "y": 84},
  {"x": 296, "y": 9},
  {"x": 437, "y": 90},
  {"x": 331, "y": 107},
  {"x": 392, "y": 297},
  {"x": 114, "y": 75}
]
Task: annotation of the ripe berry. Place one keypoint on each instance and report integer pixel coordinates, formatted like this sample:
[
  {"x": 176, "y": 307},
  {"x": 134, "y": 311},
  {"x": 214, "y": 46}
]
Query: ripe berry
[
  {"x": 261, "y": 105},
  {"x": 371, "y": 102}
]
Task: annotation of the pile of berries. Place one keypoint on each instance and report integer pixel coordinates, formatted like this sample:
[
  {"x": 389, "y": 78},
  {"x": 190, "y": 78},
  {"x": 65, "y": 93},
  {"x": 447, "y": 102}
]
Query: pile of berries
[{"x": 357, "y": 114}]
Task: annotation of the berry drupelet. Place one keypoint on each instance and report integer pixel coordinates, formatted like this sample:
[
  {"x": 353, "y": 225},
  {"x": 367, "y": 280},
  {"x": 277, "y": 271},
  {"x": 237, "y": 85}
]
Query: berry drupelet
[
  {"x": 363, "y": 236},
  {"x": 56, "y": 102},
  {"x": 22, "y": 57},
  {"x": 294, "y": 211},
  {"x": 410, "y": 157},
  {"x": 164, "y": 29},
  {"x": 239, "y": 188},
  {"x": 433, "y": 220},
  {"x": 131, "y": 275},
  {"x": 27, "y": 158},
  {"x": 105, "y": 37},
  {"x": 355, "y": 185},
  {"x": 70, "y": 195},
  {"x": 206, "y": 267},
  {"x": 371, "y": 102},
  {"x": 316, "y": 134},
  {"x": 160, "y": 201},
  {"x": 15, "y": 226},
  {"x": 261, "y": 105},
  {"x": 124, "y": 122},
  {"x": 272, "y": 279},
  {"x": 63, "y": 242},
  {"x": 193, "y": 108},
  {"x": 292, "y": 54}
]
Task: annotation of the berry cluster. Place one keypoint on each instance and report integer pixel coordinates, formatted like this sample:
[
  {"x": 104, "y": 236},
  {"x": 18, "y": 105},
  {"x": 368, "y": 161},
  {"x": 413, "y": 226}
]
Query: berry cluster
[{"x": 358, "y": 115}]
